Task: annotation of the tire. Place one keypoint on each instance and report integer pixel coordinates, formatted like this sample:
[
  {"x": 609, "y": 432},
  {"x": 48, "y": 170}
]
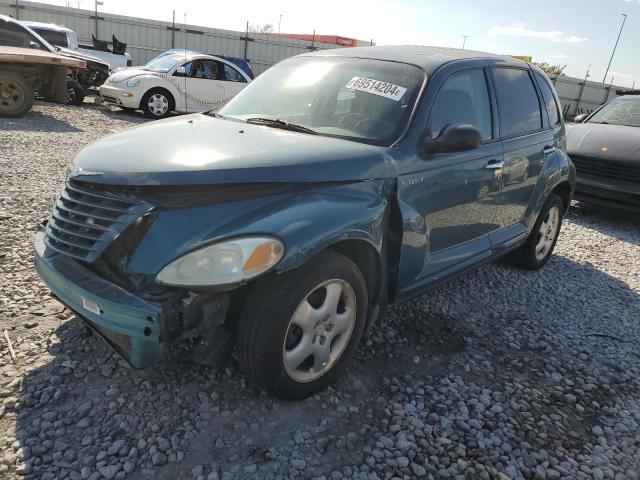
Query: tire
[
  {"x": 161, "y": 107},
  {"x": 269, "y": 326},
  {"x": 545, "y": 234},
  {"x": 76, "y": 92},
  {"x": 16, "y": 95}
]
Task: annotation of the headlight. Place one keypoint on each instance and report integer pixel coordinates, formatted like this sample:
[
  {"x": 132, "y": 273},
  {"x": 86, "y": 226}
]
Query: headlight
[
  {"x": 223, "y": 263},
  {"x": 132, "y": 82}
]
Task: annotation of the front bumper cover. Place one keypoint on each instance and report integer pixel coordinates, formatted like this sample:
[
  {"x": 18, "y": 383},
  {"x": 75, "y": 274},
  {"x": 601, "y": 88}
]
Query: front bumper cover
[
  {"x": 114, "y": 95},
  {"x": 130, "y": 324},
  {"x": 614, "y": 193}
]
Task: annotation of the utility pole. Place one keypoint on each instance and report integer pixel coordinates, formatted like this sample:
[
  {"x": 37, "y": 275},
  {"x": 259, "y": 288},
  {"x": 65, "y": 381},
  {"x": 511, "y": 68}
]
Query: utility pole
[
  {"x": 279, "y": 22},
  {"x": 96, "y": 7},
  {"x": 464, "y": 40},
  {"x": 624, "y": 19}
]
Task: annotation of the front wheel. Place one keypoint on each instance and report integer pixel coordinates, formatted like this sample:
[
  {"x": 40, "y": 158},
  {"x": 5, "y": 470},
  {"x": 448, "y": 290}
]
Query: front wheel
[
  {"x": 157, "y": 103},
  {"x": 534, "y": 254},
  {"x": 75, "y": 92},
  {"x": 298, "y": 330},
  {"x": 16, "y": 95}
]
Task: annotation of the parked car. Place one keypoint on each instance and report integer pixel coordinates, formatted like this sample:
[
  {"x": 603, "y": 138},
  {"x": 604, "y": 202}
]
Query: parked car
[
  {"x": 181, "y": 82},
  {"x": 79, "y": 81},
  {"x": 336, "y": 183},
  {"x": 63, "y": 37},
  {"x": 243, "y": 64},
  {"x": 605, "y": 148}
]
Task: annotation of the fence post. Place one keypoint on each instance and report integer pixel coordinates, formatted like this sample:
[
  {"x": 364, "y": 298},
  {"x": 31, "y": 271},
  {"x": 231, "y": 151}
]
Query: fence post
[
  {"x": 17, "y": 11},
  {"x": 582, "y": 86},
  {"x": 246, "y": 41}
]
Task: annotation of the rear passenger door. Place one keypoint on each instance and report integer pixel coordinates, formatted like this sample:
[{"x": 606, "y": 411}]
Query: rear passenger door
[{"x": 527, "y": 140}]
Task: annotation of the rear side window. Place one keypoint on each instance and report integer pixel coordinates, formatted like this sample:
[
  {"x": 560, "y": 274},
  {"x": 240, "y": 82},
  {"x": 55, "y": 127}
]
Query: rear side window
[
  {"x": 549, "y": 100},
  {"x": 464, "y": 98},
  {"x": 518, "y": 102},
  {"x": 232, "y": 75}
]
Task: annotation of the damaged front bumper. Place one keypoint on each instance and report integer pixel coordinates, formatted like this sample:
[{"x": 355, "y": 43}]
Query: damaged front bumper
[{"x": 130, "y": 324}]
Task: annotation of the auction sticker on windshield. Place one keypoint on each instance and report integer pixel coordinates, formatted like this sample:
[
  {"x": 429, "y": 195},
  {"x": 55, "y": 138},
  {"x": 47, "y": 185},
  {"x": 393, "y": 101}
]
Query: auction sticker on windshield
[{"x": 377, "y": 87}]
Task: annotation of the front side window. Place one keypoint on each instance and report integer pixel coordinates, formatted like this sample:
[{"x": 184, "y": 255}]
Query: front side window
[
  {"x": 232, "y": 75},
  {"x": 54, "y": 38},
  {"x": 464, "y": 98},
  {"x": 358, "y": 99},
  {"x": 517, "y": 102},
  {"x": 205, "y": 69},
  {"x": 549, "y": 100},
  {"x": 13, "y": 35},
  {"x": 621, "y": 111}
]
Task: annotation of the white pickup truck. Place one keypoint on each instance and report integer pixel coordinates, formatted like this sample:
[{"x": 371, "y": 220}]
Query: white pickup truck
[{"x": 64, "y": 37}]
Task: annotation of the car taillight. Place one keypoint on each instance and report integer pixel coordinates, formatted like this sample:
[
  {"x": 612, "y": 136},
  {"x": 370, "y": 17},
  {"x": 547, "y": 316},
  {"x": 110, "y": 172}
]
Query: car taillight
[{"x": 129, "y": 62}]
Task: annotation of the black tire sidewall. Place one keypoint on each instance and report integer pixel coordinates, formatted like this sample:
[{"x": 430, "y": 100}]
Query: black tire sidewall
[
  {"x": 528, "y": 254},
  {"x": 275, "y": 315},
  {"x": 79, "y": 92},
  {"x": 28, "y": 91},
  {"x": 145, "y": 101}
]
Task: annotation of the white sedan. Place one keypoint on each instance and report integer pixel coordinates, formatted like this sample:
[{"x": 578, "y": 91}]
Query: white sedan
[{"x": 175, "y": 83}]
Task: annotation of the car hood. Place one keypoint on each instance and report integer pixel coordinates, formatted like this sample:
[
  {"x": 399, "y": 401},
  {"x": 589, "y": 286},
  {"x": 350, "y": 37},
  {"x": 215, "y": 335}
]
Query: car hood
[
  {"x": 125, "y": 73},
  {"x": 82, "y": 56},
  {"x": 617, "y": 142},
  {"x": 201, "y": 149}
]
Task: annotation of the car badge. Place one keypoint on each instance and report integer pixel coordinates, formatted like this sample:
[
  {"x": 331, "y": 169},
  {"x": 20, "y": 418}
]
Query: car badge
[
  {"x": 77, "y": 171},
  {"x": 604, "y": 149}
]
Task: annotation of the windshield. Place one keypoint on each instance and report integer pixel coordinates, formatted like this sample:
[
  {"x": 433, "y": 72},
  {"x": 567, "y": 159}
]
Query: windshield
[
  {"x": 621, "y": 111},
  {"x": 163, "y": 64},
  {"x": 364, "y": 100}
]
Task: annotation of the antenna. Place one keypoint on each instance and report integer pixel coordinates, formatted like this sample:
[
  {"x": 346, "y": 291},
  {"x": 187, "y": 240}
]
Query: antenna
[{"x": 185, "y": 61}]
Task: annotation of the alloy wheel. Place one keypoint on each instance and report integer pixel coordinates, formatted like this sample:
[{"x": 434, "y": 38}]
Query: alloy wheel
[
  {"x": 319, "y": 330},
  {"x": 547, "y": 233}
]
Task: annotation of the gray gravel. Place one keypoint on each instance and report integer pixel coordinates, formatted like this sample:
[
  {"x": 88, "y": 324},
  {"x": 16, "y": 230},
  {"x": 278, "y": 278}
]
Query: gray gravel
[{"x": 501, "y": 374}]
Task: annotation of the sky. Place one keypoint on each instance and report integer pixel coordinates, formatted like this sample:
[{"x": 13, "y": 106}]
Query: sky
[{"x": 577, "y": 33}]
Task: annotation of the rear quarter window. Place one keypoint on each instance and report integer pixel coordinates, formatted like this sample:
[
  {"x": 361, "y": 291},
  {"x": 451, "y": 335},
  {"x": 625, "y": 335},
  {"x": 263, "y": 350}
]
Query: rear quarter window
[
  {"x": 549, "y": 100},
  {"x": 518, "y": 103},
  {"x": 59, "y": 39}
]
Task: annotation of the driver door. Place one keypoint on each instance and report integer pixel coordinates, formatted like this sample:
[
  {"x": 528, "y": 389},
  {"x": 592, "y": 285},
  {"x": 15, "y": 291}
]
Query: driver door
[
  {"x": 205, "y": 89},
  {"x": 449, "y": 206}
]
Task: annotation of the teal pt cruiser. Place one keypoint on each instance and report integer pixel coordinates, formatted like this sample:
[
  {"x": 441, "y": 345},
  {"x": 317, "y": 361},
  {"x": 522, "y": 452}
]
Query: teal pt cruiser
[{"x": 335, "y": 184}]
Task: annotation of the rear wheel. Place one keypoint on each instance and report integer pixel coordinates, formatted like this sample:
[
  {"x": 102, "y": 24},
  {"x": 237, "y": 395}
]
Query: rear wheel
[
  {"x": 16, "y": 95},
  {"x": 534, "y": 254},
  {"x": 157, "y": 103},
  {"x": 298, "y": 331},
  {"x": 76, "y": 92}
]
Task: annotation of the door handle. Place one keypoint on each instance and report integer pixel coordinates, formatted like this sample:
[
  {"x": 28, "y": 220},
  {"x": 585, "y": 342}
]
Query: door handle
[
  {"x": 548, "y": 149},
  {"x": 494, "y": 164}
]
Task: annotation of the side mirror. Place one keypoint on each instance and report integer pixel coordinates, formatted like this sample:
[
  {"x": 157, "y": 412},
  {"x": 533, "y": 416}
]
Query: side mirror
[
  {"x": 580, "y": 118},
  {"x": 34, "y": 45},
  {"x": 455, "y": 137},
  {"x": 180, "y": 72}
]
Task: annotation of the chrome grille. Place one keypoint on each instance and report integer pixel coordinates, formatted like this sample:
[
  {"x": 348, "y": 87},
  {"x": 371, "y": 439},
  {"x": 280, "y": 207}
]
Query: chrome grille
[
  {"x": 606, "y": 168},
  {"x": 88, "y": 217}
]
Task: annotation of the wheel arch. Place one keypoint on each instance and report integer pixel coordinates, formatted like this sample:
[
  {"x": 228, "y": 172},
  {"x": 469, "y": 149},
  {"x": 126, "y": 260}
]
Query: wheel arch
[{"x": 563, "y": 190}]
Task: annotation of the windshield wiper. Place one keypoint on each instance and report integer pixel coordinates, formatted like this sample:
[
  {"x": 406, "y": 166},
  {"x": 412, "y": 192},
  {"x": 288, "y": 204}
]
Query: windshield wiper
[{"x": 277, "y": 123}]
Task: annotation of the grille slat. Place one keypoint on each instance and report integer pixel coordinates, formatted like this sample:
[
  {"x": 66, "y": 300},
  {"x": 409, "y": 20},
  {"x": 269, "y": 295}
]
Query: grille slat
[
  {"x": 87, "y": 202},
  {"x": 87, "y": 218},
  {"x": 606, "y": 168}
]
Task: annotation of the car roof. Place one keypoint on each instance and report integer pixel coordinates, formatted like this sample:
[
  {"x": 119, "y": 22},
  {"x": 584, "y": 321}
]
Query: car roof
[
  {"x": 47, "y": 26},
  {"x": 427, "y": 58}
]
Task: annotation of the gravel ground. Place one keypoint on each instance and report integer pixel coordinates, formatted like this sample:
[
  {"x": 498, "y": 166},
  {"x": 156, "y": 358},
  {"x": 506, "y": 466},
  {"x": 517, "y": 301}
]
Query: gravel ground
[{"x": 501, "y": 374}]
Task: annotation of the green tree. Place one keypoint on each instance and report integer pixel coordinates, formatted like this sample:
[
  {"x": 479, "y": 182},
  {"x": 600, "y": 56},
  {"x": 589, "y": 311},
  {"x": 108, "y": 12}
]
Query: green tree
[
  {"x": 267, "y": 28},
  {"x": 549, "y": 69}
]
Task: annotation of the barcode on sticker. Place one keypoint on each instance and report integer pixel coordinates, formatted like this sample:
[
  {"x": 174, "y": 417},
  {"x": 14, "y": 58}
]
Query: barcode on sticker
[{"x": 377, "y": 87}]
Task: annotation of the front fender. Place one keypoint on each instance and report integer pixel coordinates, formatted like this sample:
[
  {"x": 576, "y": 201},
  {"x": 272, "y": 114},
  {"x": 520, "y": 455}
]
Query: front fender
[{"x": 306, "y": 221}]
